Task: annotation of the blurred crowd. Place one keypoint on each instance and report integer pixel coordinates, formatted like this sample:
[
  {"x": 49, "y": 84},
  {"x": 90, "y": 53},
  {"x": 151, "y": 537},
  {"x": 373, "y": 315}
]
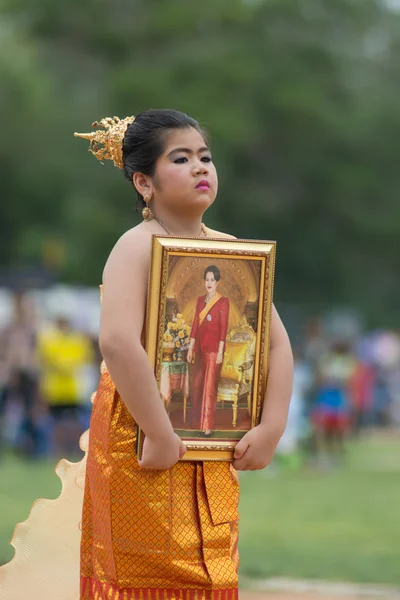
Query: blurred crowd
[
  {"x": 343, "y": 385},
  {"x": 49, "y": 369}
]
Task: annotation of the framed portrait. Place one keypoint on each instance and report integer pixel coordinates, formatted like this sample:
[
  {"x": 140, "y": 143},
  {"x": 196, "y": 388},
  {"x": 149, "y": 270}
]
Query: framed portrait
[{"x": 208, "y": 328}]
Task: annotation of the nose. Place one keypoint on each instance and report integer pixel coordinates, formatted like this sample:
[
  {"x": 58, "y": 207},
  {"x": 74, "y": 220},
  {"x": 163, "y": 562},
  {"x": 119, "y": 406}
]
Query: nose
[{"x": 200, "y": 167}]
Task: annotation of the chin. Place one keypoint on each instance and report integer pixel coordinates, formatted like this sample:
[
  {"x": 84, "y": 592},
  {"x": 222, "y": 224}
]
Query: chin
[
  {"x": 195, "y": 206},
  {"x": 205, "y": 200}
]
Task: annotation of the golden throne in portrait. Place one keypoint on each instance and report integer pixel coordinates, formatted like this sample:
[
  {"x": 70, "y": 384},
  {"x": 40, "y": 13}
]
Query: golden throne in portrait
[{"x": 237, "y": 367}]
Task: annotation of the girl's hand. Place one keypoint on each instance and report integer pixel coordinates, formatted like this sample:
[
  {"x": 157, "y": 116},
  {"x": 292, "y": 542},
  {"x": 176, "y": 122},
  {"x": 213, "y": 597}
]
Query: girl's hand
[
  {"x": 189, "y": 356},
  {"x": 220, "y": 358},
  {"x": 256, "y": 448},
  {"x": 162, "y": 453}
]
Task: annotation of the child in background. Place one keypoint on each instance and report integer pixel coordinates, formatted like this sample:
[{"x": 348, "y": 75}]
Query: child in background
[{"x": 332, "y": 414}]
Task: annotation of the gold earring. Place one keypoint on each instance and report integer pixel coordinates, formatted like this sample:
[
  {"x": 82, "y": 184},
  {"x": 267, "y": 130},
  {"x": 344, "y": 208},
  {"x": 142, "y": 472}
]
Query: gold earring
[{"x": 146, "y": 212}]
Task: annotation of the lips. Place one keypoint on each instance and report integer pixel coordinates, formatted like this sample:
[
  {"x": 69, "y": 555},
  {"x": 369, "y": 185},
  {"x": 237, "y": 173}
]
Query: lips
[{"x": 203, "y": 185}]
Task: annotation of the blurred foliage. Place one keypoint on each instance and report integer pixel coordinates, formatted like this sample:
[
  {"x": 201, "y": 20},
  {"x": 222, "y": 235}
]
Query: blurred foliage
[{"x": 300, "y": 97}]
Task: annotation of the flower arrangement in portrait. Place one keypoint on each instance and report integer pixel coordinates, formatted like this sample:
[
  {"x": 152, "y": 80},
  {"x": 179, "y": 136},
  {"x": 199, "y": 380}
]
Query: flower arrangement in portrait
[{"x": 176, "y": 338}]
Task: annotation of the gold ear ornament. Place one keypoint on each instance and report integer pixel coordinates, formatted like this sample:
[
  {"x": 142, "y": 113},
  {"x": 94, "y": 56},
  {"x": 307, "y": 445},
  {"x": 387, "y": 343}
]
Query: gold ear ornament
[
  {"x": 107, "y": 144},
  {"x": 146, "y": 212}
]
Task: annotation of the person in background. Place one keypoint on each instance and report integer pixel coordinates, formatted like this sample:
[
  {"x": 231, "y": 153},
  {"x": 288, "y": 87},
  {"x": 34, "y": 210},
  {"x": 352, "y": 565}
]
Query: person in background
[
  {"x": 331, "y": 416},
  {"x": 315, "y": 342},
  {"x": 63, "y": 353},
  {"x": 314, "y": 346},
  {"x": 19, "y": 376},
  {"x": 361, "y": 387},
  {"x": 387, "y": 364}
]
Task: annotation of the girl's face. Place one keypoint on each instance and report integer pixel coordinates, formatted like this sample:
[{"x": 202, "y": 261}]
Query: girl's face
[
  {"x": 185, "y": 180},
  {"x": 211, "y": 283}
]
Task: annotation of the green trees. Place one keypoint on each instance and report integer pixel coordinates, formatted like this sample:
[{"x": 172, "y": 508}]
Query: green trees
[{"x": 300, "y": 98}]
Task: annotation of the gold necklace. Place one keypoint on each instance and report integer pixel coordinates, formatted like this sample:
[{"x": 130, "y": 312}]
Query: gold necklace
[
  {"x": 208, "y": 298},
  {"x": 203, "y": 228}
]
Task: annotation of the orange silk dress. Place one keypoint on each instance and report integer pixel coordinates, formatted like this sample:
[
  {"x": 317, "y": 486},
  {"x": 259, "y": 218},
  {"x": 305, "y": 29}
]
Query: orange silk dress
[{"x": 153, "y": 535}]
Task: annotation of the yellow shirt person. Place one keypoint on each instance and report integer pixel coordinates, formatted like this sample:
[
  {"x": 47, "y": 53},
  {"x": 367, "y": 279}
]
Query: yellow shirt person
[{"x": 62, "y": 353}]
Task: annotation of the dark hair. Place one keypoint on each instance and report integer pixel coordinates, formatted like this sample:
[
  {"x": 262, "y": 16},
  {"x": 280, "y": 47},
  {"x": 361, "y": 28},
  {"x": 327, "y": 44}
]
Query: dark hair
[
  {"x": 213, "y": 269},
  {"x": 144, "y": 141}
]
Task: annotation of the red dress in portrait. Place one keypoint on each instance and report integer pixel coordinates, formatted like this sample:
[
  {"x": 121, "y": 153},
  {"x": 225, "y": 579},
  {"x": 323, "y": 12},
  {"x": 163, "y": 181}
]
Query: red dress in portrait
[{"x": 210, "y": 326}]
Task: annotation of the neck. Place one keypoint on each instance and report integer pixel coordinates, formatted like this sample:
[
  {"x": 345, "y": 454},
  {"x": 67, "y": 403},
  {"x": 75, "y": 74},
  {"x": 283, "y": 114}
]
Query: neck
[{"x": 180, "y": 225}]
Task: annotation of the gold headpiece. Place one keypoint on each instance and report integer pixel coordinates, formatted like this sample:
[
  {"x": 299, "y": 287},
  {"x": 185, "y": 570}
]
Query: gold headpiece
[{"x": 111, "y": 139}]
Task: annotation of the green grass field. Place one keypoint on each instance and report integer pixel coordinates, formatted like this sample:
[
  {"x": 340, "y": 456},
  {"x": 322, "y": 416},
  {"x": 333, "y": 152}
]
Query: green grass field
[{"x": 343, "y": 524}]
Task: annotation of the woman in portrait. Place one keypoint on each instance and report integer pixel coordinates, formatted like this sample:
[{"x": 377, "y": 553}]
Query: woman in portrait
[
  {"x": 155, "y": 527},
  {"x": 207, "y": 341}
]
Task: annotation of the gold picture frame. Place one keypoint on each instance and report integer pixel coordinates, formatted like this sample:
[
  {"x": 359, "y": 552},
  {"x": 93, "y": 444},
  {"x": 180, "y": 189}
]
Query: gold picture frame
[{"x": 223, "y": 392}]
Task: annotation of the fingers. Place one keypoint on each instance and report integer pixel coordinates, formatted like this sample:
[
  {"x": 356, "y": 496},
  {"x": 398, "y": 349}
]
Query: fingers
[
  {"x": 161, "y": 465},
  {"x": 144, "y": 464},
  {"x": 241, "y": 456},
  {"x": 241, "y": 465},
  {"x": 241, "y": 448},
  {"x": 149, "y": 463},
  {"x": 182, "y": 450},
  {"x": 249, "y": 463}
]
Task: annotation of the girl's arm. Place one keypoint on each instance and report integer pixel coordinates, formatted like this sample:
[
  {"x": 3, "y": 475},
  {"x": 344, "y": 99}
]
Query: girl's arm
[
  {"x": 280, "y": 379},
  {"x": 122, "y": 316},
  {"x": 256, "y": 449}
]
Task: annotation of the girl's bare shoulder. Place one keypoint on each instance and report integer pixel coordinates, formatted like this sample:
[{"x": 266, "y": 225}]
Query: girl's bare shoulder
[
  {"x": 133, "y": 248},
  {"x": 136, "y": 235},
  {"x": 136, "y": 238},
  {"x": 219, "y": 234}
]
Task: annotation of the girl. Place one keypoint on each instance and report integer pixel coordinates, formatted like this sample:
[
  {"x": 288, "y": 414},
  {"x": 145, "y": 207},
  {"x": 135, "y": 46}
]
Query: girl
[{"x": 157, "y": 528}]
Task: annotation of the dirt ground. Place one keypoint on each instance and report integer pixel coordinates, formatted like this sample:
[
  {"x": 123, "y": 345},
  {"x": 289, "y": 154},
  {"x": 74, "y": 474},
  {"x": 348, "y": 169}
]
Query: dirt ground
[{"x": 243, "y": 595}]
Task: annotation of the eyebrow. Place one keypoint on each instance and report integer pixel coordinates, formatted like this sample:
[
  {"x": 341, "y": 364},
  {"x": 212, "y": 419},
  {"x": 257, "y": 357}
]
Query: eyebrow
[{"x": 188, "y": 150}]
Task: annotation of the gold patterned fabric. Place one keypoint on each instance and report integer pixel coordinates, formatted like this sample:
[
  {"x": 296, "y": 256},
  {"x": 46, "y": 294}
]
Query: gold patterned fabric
[{"x": 150, "y": 534}]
